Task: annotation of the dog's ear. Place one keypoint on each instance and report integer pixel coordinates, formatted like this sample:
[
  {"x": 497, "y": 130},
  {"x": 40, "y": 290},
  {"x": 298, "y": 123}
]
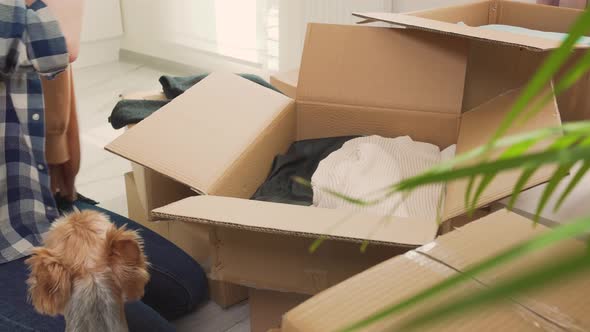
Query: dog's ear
[
  {"x": 127, "y": 261},
  {"x": 49, "y": 282}
]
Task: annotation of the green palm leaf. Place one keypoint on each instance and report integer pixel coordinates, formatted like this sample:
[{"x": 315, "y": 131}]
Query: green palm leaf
[
  {"x": 544, "y": 275},
  {"x": 575, "y": 180},
  {"x": 563, "y": 232}
]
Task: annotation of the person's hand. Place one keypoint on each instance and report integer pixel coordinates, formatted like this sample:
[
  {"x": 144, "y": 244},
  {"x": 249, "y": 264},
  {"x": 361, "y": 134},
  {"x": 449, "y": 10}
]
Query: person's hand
[
  {"x": 63, "y": 179},
  {"x": 63, "y": 176}
]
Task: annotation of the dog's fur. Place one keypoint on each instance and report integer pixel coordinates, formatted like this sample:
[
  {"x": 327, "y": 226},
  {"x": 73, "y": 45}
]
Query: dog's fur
[{"x": 86, "y": 271}]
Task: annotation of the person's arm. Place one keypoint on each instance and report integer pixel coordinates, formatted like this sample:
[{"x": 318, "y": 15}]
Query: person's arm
[
  {"x": 62, "y": 134},
  {"x": 69, "y": 15}
]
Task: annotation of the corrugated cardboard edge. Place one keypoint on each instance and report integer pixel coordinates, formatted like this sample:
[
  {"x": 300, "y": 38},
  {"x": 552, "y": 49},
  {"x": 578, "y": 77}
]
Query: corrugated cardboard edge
[
  {"x": 335, "y": 224},
  {"x": 127, "y": 144},
  {"x": 536, "y": 44}
]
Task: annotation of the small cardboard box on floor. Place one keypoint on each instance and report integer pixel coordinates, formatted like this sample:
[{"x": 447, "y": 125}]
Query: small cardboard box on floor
[{"x": 562, "y": 306}]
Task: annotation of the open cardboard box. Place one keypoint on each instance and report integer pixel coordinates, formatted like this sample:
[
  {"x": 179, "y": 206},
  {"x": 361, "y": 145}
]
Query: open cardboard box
[
  {"x": 500, "y": 60},
  {"x": 221, "y": 136},
  {"x": 286, "y": 82},
  {"x": 153, "y": 190},
  {"x": 562, "y": 306},
  {"x": 191, "y": 238}
]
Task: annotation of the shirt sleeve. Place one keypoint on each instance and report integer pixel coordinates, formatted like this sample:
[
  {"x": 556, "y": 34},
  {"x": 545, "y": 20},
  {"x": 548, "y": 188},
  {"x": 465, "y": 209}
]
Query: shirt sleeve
[
  {"x": 30, "y": 40},
  {"x": 45, "y": 44}
]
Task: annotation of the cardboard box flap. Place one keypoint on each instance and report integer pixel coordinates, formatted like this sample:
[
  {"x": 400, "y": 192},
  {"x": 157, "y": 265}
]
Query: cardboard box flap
[
  {"x": 216, "y": 120},
  {"x": 382, "y": 68},
  {"x": 300, "y": 220},
  {"x": 515, "y": 13},
  {"x": 471, "y": 32},
  {"x": 477, "y": 128},
  {"x": 497, "y": 233},
  {"x": 401, "y": 277}
]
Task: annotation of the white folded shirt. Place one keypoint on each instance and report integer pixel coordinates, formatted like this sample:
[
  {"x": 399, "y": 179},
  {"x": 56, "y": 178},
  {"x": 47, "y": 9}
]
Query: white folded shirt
[{"x": 365, "y": 166}]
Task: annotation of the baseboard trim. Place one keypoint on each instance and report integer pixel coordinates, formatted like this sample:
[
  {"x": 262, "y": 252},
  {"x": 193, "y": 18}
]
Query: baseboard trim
[
  {"x": 98, "y": 52},
  {"x": 157, "y": 62}
]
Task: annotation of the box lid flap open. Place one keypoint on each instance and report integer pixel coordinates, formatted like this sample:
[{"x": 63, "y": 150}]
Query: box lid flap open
[
  {"x": 477, "y": 127},
  {"x": 215, "y": 120},
  {"x": 382, "y": 68},
  {"x": 300, "y": 220},
  {"x": 533, "y": 43}
]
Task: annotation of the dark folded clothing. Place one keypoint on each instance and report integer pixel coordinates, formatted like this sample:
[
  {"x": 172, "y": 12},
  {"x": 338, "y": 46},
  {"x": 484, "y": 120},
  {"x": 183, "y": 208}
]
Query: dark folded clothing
[
  {"x": 301, "y": 160},
  {"x": 128, "y": 112},
  {"x": 175, "y": 86},
  {"x": 65, "y": 206}
]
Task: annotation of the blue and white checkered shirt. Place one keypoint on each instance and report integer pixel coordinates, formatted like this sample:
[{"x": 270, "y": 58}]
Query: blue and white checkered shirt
[{"x": 31, "y": 44}]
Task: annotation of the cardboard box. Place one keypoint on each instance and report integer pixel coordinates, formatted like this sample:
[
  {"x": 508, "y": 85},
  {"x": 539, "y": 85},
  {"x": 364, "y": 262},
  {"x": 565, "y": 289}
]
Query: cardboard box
[
  {"x": 267, "y": 308},
  {"x": 192, "y": 239},
  {"x": 154, "y": 189},
  {"x": 221, "y": 136},
  {"x": 558, "y": 307},
  {"x": 139, "y": 213},
  {"x": 511, "y": 59},
  {"x": 286, "y": 82}
]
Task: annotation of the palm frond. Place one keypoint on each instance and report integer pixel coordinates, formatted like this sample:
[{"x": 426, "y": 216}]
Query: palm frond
[
  {"x": 544, "y": 276},
  {"x": 563, "y": 232}
]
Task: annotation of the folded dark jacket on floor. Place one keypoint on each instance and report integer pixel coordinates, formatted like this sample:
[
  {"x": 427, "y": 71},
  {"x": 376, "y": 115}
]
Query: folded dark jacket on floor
[
  {"x": 131, "y": 111},
  {"x": 301, "y": 160}
]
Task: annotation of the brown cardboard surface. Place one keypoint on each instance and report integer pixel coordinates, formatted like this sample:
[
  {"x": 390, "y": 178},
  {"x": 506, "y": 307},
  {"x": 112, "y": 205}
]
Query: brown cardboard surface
[
  {"x": 139, "y": 213},
  {"x": 495, "y": 68},
  {"x": 472, "y": 14},
  {"x": 213, "y": 142},
  {"x": 389, "y": 283},
  {"x": 251, "y": 168},
  {"x": 267, "y": 308},
  {"x": 283, "y": 262},
  {"x": 231, "y": 105},
  {"x": 553, "y": 308},
  {"x": 226, "y": 294},
  {"x": 321, "y": 120},
  {"x": 455, "y": 251},
  {"x": 471, "y": 32},
  {"x": 192, "y": 238},
  {"x": 478, "y": 127},
  {"x": 298, "y": 220},
  {"x": 537, "y": 17},
  {"x": 382, "y": 68},
  {"x": 286, "y": 82},
  {"x": 155, "y": 190}
]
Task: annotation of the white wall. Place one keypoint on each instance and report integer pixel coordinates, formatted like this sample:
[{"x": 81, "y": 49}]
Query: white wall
[
  {"x": 102, "y": 30},
  {"x": 201, "y": 33},
  {"x": 191, "y": 31},
  {"x": 295, "y": 15}
]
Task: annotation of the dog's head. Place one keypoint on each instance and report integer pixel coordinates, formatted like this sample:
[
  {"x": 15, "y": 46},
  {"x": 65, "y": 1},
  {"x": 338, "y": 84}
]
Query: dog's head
[{"x": 79, "y": 247}]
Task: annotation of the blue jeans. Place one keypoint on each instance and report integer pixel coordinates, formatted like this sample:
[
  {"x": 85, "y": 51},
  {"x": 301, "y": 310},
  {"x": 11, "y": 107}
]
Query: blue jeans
[{"x": 177, "y": 285}]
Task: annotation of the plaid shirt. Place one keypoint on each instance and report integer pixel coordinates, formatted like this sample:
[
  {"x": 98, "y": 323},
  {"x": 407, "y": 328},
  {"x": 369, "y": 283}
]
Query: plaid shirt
[{"x": 31, "y": 44}]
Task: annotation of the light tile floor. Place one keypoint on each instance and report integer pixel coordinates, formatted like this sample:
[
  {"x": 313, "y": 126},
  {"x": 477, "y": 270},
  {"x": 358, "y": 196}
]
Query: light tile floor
[{"x": 101, "y": 176}]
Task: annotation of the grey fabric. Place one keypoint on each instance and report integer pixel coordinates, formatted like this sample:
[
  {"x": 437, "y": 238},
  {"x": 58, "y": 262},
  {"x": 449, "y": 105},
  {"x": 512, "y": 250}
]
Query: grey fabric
[
  {"x": 128, "y": 112},
  {"x": 301, "y": 160}
]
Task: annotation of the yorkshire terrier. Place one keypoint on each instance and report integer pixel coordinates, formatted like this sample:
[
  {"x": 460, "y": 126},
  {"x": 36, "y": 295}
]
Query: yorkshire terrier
[{"x": 86, "y": 271}]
